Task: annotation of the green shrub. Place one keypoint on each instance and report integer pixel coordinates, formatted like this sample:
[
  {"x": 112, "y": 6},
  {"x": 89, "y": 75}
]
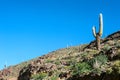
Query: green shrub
[
  {"x": 116, "y": 66},
  {"x": 117, "y": 45},
  {"x": 109, "y": 70},
  {"x": 54, "y": 77},
  {"x": 106, "y": 47},
  {"x": 98, "y": 63},
  {"x": 57, "y": 62},
  {"x": 81, "y": 68},
  {"x": 101, "y": 59},
  {"x": 49, "y": 61},
  {"x": 39, "y": 76},
  {"x": 84, "y": 54}
]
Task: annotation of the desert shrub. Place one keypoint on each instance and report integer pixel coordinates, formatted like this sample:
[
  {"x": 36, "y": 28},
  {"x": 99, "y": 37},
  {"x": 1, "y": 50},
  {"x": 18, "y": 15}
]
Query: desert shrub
[
  {"x": 88, "y": 54},
  {"x": 101, "y": 59},
  {"x": 109, "y": 70},
  {"x": 54, "y": 77},
  {"x": 84, "y": 54},
  {"x": 116, "y": 66},
  {"x": 72, "y": 61},
  {"x": 39, "y": 76},
  {"x": 49, "y": 61},
  {"x": 117, "y": 45},
  {"x": 106, "y": 47},
  {"x": 98, "y": 63},
  {"x": 81, "y": 68},
  {"x": 57, "y": 62}
]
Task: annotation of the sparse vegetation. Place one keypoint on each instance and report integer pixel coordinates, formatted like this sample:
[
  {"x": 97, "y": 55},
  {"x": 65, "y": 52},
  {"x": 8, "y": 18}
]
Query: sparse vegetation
[
  {"x": 94, "y": 65},
  {"x": 106, "y": 47},
  {"x": 57, "y": 62},
  {"x": 49, "y": 61},
  {"x": 117, "y": 44},
  {"x": 54, "y": 77},
  {"x": 81, "y": 68},
  {"x": 39, "y": 76},
  {"x": 116, "y": 66},
  {"x": 73, "y": 63},
  {"x": 99, "y": 60}
]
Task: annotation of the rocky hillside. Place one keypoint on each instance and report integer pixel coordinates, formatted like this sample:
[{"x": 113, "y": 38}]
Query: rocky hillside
[{"x": 82, "y": 62}]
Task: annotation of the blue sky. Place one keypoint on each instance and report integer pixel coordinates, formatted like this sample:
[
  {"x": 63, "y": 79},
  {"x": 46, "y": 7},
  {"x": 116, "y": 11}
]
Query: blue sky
[{"x": 31, "y": 28}]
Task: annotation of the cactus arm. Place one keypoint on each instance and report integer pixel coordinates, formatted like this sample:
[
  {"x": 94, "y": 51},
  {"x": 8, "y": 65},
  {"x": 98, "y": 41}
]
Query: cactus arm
[
  {"x": 100, "y": 25},
  {"x": 94, "y": 31}
]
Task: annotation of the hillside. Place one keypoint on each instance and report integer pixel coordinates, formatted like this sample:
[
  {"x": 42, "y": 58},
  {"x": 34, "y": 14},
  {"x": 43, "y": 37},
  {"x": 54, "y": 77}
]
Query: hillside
[{"x": 82, "y": 62}]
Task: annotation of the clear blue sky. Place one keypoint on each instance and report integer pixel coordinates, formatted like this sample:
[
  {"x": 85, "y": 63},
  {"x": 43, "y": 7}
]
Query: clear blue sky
[{"x": 31, "y": 28}]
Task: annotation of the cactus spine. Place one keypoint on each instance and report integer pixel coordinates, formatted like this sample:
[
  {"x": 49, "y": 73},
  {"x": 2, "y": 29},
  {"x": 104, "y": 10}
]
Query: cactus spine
[{"x": 99, "y": 34}]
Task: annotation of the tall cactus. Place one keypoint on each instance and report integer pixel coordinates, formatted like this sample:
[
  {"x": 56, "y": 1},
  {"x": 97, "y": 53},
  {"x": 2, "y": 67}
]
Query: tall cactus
[{"x": 99, "y": 34}]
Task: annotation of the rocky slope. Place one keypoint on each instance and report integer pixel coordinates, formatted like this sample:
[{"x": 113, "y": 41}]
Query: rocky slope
[{"x": 74, "y": 63}]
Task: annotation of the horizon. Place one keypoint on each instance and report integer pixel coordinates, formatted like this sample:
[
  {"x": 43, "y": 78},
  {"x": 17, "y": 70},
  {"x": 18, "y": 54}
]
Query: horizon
[{"x": 32, "y": 28}]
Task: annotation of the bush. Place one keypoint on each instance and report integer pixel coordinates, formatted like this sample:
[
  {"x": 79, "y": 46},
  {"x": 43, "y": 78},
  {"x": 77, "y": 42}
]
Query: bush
[
  {"x": 81, "y": 68},
  {"x": 106, "y": 47},
  {"x": 55, "y": 77},
  {"x": 116, "y": 66},
  {"x": 57, "y": 62},
  {"x": 98, "y": 63},
  {"x": 39, "y": 76},
  {"x": 118, "y": 45},
  {"x": 101, "y": 59}
]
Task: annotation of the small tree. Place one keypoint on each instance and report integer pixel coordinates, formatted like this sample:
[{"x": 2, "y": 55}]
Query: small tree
[{"x": 99, "y": 34}]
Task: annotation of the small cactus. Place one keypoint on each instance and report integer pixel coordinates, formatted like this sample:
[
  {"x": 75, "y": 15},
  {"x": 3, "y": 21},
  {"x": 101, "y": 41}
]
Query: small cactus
[{"x": 99, "y": 34}]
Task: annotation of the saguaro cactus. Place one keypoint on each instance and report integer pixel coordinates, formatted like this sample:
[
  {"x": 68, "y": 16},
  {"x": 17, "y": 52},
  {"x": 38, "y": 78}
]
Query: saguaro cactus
[{"x": 99, "y": 34}]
